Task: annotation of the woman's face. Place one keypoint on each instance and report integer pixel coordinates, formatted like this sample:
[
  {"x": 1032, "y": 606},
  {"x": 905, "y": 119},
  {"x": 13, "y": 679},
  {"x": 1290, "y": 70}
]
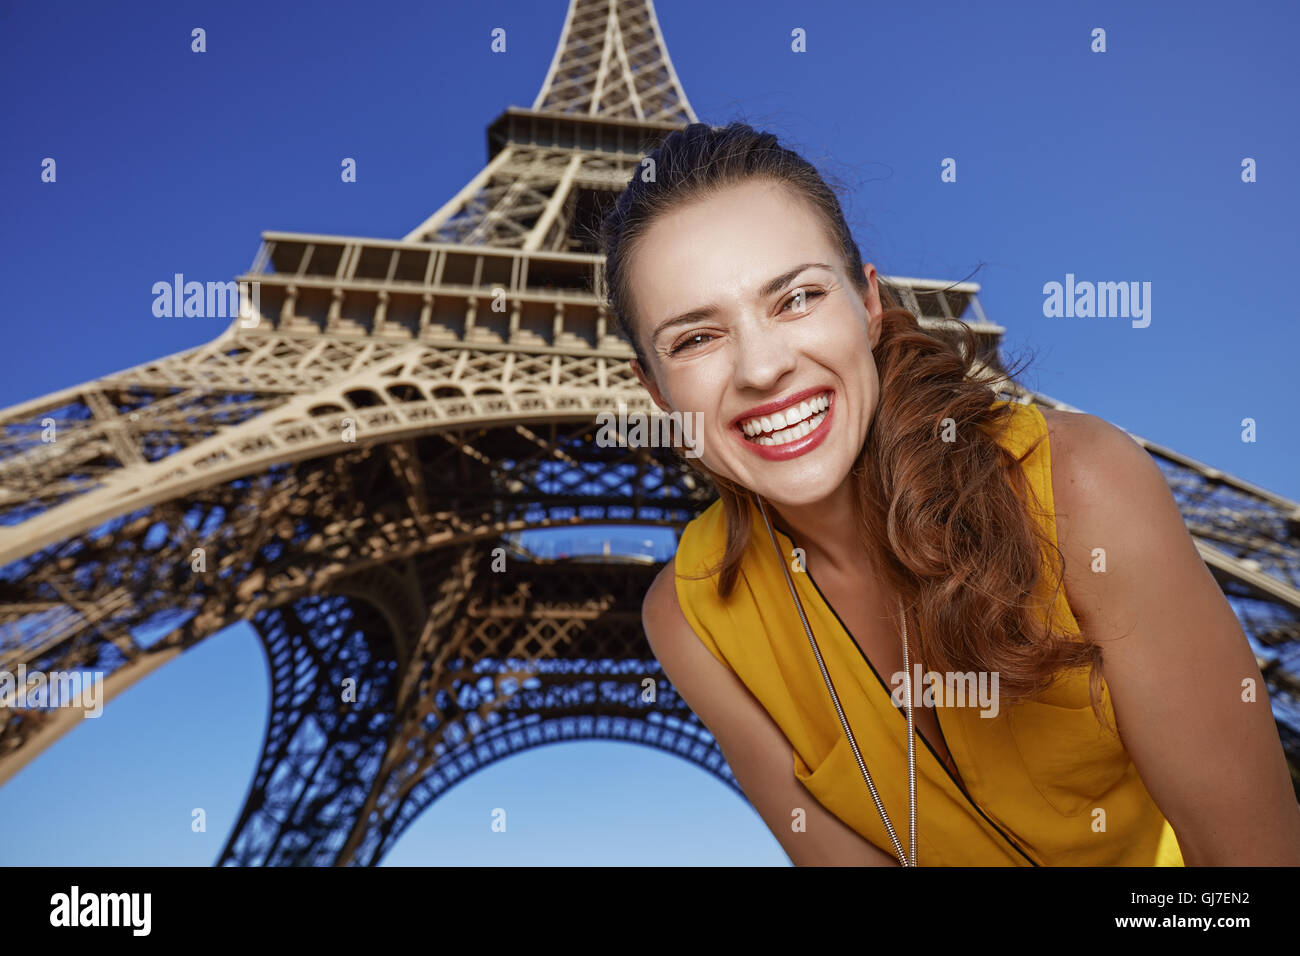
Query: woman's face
[{"x": 748, "y": 341}]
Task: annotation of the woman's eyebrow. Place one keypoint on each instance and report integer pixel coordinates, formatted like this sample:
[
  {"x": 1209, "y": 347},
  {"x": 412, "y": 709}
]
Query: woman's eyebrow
[{"x": 771, "y": 287}]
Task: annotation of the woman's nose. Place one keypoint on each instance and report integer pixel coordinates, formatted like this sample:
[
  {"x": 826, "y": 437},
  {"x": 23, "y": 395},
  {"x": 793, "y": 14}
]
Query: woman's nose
[{"x": 763, "y": 356}]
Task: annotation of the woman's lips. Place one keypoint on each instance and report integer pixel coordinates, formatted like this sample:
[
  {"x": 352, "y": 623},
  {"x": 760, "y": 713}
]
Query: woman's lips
[{"x": 792, "y": 449}]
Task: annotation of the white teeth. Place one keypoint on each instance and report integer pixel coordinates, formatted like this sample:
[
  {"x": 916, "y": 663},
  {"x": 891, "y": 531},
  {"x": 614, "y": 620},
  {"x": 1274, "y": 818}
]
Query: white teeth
[
  {"x": 792, "y": 434},
  {"x": 787, "y": 418}
]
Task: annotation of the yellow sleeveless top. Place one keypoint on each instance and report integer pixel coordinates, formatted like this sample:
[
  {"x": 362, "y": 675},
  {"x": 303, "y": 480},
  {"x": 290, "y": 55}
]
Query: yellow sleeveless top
[{"x": 1046, "y": 784}]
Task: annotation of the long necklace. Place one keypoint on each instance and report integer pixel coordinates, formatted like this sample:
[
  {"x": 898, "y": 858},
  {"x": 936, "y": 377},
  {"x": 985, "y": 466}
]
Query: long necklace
[{"x": 911, "y": 736}]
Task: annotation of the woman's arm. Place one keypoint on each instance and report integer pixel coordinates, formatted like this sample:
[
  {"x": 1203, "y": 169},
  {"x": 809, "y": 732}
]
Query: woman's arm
[
  {"x": 1174, "y": 655},
  {"x": 754, "y": 746}
]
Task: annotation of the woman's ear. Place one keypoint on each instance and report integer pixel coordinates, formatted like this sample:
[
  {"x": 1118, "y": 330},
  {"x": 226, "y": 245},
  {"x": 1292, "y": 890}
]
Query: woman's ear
[
  {"x": 871, "y": 300},
  {"x": 649, "y": 385}
]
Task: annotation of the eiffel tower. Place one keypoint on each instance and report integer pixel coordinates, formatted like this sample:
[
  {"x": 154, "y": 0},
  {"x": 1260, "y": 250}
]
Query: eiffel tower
[{"x": 372, "y": 562}]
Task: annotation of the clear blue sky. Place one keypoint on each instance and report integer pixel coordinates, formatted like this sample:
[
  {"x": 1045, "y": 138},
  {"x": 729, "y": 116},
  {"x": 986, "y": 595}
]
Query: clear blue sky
[{"x": 1122, "y": 166}]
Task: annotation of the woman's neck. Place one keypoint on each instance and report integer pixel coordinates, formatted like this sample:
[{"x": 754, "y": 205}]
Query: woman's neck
[{"x": 826, "y": 528}]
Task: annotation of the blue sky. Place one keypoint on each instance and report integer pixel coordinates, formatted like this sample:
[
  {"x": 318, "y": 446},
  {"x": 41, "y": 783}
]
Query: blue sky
[{"x": 1115, "y": 166}]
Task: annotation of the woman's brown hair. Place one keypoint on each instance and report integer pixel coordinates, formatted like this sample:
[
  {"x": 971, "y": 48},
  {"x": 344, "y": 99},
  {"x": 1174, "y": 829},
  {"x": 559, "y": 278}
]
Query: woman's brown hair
[{"x": 946, "y": 521}]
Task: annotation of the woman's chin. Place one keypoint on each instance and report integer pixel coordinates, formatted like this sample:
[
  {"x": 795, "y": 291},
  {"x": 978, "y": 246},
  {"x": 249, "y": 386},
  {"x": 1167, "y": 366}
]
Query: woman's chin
[
  {"x": 796, "y": 488},
  {"x": 799, "y": 494}
]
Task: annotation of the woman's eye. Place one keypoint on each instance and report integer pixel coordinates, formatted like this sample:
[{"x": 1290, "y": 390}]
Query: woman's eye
[
  {"x": 686, "y": 342},
  {"x": 802, "y": 297}
]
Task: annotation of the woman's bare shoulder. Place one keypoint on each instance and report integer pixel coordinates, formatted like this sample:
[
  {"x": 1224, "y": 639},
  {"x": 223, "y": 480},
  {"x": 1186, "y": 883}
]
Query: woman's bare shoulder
[
  {"x": 1106, "y": 489},
  {"x": 1092, "y": 460}
]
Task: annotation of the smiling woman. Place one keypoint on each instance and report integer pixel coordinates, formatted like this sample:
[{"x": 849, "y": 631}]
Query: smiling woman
[{"x": 904, "y": 491}]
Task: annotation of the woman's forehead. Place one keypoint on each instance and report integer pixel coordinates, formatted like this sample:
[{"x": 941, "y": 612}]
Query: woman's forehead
[{"x": 728, "y": 244}]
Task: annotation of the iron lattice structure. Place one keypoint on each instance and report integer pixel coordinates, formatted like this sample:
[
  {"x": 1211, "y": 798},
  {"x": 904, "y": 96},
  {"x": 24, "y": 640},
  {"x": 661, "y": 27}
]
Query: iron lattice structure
[{"x": 371, "y": 560}]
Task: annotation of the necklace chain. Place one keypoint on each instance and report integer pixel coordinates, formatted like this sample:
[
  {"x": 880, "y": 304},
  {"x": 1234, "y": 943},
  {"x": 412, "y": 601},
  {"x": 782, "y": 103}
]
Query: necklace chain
[{"x": 904, "y": 859}]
